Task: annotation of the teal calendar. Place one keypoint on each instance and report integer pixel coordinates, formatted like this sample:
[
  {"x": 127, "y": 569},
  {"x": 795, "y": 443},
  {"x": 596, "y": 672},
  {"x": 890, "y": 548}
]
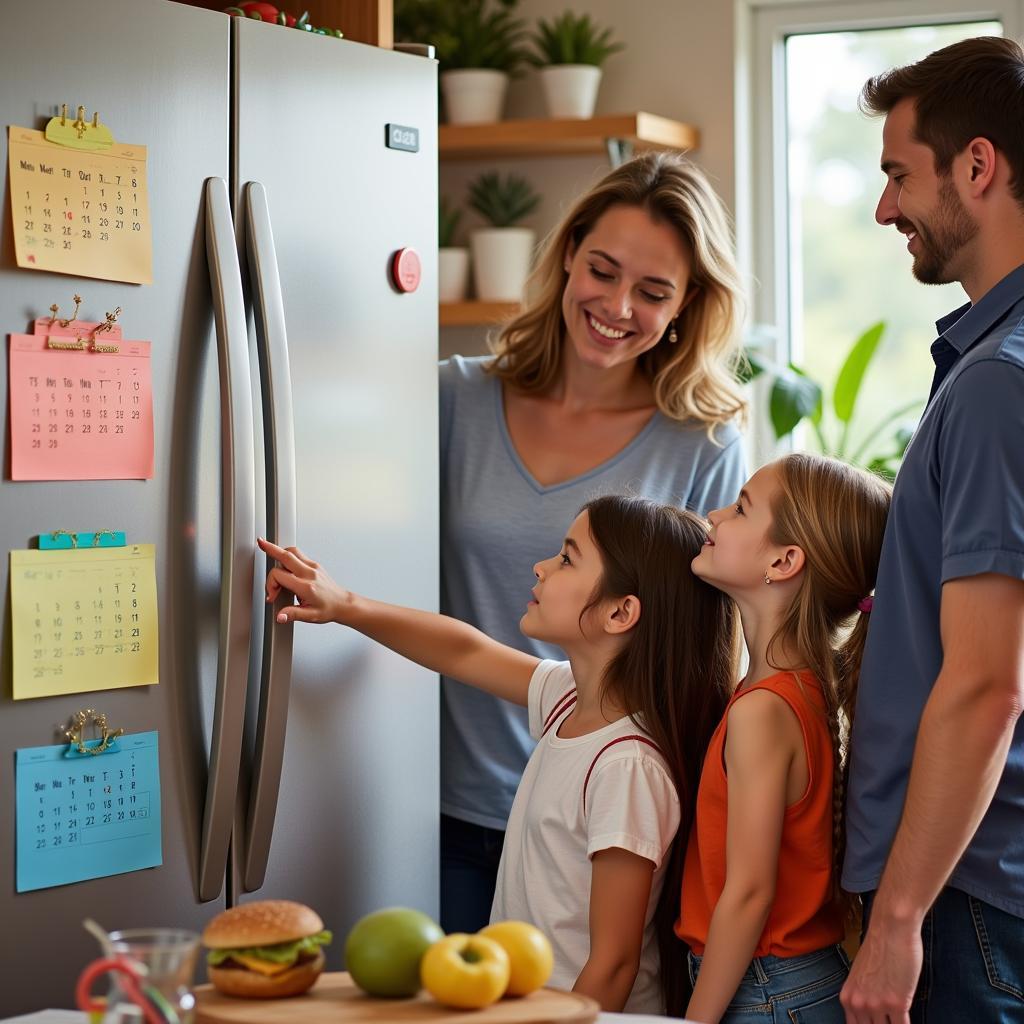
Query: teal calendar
[{"x": 83, "y": 816}]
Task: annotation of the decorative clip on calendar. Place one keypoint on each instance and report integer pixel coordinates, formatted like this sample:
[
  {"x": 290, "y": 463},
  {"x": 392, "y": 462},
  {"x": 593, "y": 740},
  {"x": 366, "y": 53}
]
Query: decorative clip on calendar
[
  {"x": 71, "y": 336},
  {"x": 79, "y": 134},
  {"x": 75, "y": 734},
  {"x": 61, "y": 540}
]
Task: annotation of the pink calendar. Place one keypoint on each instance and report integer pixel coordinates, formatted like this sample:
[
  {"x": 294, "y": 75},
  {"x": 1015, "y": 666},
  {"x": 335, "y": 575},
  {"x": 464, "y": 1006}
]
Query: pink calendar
[{"x": 81, "y": 405}]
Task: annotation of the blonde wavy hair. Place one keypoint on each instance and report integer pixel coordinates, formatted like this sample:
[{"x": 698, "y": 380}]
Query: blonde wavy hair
[
  {"x": 836, "y": 514},
  {"x": 694, "y": 379}
]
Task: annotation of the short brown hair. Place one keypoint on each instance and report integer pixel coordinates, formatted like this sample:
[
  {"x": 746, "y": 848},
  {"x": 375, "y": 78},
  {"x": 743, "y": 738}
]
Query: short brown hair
[{"x": 968, "y": 89}]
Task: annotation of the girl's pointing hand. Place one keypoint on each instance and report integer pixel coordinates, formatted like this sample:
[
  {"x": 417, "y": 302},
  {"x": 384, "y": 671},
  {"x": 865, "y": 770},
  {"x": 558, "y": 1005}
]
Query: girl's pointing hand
[{"x": 318, "y": 598}]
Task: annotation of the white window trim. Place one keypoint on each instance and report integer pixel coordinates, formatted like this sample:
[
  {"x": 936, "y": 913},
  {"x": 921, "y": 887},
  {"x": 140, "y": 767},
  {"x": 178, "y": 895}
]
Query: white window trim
[{"x": 762, "y": 214}]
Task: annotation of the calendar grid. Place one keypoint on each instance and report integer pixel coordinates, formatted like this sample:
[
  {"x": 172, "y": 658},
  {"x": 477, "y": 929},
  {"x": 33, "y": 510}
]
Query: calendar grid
[
  {"x": 80, "y": 414},
  {"x": 83, "y": 620}
]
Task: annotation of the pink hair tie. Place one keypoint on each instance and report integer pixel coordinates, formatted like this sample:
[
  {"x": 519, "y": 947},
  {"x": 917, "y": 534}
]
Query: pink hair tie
[{"x": 865, "y": 604}]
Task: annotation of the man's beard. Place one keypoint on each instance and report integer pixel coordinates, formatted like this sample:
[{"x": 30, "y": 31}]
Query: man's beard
[{"x": 951, "y": 228}]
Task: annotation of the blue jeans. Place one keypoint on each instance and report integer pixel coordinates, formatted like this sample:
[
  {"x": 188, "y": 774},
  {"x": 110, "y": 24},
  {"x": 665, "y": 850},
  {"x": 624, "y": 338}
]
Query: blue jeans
[
  {"x": 788, "y": 990},
  {"x": 973, "y": 967},
  {"x": 469, "y": 870}
]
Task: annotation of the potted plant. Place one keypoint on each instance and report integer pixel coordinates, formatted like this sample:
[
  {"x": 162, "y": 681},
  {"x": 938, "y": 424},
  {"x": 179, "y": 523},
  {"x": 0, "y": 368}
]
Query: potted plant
[
  {"x": 453, "y": 261},
  {"x": 570, "y": 50},
  {"x": 502, "y": 252},
  {"x": 479, "y": 44}
]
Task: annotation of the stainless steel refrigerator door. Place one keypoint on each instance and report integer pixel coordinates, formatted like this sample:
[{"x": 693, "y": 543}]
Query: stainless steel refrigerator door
[
  {"x": 357, "y": 815},
  {"x": 158, "y": 73}
]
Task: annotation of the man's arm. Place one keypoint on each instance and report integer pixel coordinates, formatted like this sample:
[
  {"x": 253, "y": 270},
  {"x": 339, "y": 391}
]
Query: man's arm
[{"x": 961, "y": 750}]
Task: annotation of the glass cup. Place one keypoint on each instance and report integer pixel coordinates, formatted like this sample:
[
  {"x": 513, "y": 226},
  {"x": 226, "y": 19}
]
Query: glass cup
[{"x": 169, "y": 956}]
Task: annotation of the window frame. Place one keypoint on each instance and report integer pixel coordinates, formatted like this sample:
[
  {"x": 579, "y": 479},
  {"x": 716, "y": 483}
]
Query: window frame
[{"x": 762, "y": 195}]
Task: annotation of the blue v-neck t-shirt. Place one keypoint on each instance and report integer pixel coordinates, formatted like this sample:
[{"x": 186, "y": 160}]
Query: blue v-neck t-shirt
[{"x": 497, "y": 521}]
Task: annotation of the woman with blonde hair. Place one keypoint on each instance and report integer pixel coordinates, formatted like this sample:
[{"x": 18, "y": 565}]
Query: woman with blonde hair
[{"x": 618, "y": 375}]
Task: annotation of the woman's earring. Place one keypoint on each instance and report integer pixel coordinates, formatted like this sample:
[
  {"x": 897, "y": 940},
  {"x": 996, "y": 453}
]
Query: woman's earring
[
  {"x": 672, "y": 336},
  {"x": 767, "y": 578}
]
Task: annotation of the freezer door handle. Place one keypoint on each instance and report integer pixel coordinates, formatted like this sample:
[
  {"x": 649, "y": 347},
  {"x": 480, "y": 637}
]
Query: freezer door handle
[
  {"x": 278, "y": 424},
  {"x": 238, "y": 538}
]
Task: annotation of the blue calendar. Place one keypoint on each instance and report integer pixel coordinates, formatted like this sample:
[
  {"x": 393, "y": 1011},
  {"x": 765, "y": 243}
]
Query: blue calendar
[{"x": 84, "y": 816}]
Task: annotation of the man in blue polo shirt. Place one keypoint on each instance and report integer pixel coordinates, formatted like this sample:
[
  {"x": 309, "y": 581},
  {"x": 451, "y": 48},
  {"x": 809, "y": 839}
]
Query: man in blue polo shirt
[{"x": 935, "y": 827}]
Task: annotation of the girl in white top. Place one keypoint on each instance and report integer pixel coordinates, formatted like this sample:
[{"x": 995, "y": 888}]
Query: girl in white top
[{"x": 622, "y": 726}]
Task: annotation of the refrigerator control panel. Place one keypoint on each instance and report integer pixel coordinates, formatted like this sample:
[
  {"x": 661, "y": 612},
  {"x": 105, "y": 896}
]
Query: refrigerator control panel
[{"x": 402, "y": 136}]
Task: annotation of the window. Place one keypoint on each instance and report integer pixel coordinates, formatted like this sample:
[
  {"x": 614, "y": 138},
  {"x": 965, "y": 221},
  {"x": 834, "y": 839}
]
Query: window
[{"x": 826, "y": 270}]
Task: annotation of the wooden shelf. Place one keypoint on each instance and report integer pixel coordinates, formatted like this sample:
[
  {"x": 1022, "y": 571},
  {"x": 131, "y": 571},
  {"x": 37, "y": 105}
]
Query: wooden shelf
[
  {"x": 362, "y": 21},
  {"x": 553, "y": 137},
  {"x": 474, "y": 314}
]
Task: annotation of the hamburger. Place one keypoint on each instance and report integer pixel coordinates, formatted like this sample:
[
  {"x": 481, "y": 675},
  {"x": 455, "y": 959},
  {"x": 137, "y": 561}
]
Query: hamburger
[{"x": 265, "y": 950}]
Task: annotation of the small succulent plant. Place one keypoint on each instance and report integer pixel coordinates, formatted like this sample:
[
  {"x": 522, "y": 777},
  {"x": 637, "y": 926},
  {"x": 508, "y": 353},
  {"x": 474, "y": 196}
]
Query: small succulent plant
[
  {"x": 502, "y": 201},
  {"x": 572, "y": 39}
]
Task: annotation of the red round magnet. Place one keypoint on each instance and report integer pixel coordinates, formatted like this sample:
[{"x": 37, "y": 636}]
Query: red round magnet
[{"x": 405, "y": 270}]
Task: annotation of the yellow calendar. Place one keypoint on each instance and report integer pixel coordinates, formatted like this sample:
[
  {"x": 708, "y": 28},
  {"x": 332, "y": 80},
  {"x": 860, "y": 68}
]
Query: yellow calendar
[
  {"x": 83, "y": 619},
  {"x": 80, "y": 211}
]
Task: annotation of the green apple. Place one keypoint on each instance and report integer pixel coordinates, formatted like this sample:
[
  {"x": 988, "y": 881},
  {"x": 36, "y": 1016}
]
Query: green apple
[{"x": 384, "y": 949}]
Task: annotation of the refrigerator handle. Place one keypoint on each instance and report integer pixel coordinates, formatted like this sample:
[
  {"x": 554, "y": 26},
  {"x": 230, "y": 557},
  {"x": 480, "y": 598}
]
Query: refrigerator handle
[
  {"x": 238, "y": 537},
  {"x": 276, "y": 672}
]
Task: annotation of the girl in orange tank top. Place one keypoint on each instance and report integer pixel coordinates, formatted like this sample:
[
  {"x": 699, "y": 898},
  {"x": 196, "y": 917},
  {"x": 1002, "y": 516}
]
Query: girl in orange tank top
[{"x": 761, "y": 910}]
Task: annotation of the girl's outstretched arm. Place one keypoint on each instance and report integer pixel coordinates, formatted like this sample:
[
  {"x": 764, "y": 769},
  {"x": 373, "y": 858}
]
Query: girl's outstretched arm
[
  {"x": 437, "y": 642},
  {"x": 762, "y": 740},
  {"x": 620, "y": 888}
]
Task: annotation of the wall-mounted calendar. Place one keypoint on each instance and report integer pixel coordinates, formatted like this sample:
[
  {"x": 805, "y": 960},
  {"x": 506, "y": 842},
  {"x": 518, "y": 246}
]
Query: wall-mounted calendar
[
  {"x": 81, "y": 816},
  {"x": 81, "y": 406},
  {"x": 83, "y": 620},
  {"x": 80, "y": 211}
]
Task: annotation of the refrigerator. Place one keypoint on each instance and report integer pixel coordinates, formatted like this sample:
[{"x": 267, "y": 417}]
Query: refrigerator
[{"x": 294, "y": 396}]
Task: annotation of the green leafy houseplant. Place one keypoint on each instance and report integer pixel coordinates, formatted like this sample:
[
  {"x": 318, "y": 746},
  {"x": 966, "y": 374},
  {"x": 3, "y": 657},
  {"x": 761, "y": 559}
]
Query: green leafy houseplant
[
  {"x": 465, "y": 33},
  {"x": 502, "y": 201},
  {"x": 796, "y": 396},
  {"x": 448, "y": 218},
  {"x": 571, "y": 39}
]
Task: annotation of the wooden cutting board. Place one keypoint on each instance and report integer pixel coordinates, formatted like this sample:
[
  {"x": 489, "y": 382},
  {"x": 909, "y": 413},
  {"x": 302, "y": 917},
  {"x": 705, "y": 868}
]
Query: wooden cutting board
[{"x": 334, "y": 999}]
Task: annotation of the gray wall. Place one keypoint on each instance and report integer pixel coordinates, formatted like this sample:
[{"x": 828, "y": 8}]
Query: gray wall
[{"x": 678, "y": 62}]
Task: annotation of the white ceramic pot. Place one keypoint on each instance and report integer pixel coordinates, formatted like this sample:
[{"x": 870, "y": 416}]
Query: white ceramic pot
[
  {"x": 570, "y": 90},
  {"x": 474, "y": 95},
  {"x": 452, "y": 273},
  {"x": 501, "y": 263}
]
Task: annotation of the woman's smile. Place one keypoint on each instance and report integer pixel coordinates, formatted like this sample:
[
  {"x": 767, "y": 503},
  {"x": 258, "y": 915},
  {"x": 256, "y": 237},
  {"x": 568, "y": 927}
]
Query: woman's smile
[{"x": 603, "y": 332}]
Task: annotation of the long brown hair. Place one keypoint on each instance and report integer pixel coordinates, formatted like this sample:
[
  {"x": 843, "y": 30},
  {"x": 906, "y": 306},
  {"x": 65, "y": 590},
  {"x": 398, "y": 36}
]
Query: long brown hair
[
  {"x": 836, "y": 514},
  {"x": 676, "y": 669},
  {"x": 693, "y": 379},
  {"x": 970, "y": 89}
]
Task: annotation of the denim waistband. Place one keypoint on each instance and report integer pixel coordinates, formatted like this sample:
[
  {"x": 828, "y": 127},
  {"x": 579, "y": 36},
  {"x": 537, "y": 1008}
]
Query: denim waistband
[{"x": 764, "y": 967}]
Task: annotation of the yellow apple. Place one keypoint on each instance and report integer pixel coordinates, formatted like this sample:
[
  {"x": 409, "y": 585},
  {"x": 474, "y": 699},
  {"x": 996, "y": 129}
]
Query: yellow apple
[
  {"x": 529, "y": 954},
  {"x": 466, "y": 972}
]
